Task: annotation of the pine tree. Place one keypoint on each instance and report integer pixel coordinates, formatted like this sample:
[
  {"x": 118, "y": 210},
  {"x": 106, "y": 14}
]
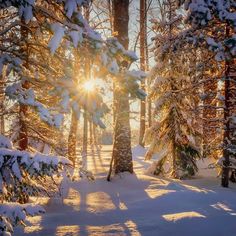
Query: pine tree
[{"x": 174, "y": 132}]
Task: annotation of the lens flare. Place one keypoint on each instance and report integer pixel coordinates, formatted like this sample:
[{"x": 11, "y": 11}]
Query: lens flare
[{"x": 88, "y": 85}]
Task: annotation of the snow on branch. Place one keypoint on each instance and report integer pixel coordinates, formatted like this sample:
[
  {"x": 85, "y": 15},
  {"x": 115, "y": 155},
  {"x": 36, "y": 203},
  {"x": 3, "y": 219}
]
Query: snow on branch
[
  {"x": 22, "y": 174},
  {"x": 70, "y": 29},
  {"x": 13, "y": 214}
]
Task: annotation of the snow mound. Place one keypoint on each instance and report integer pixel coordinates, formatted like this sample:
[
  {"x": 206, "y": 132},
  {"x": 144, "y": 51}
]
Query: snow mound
[{"x": 5, "y": 142}]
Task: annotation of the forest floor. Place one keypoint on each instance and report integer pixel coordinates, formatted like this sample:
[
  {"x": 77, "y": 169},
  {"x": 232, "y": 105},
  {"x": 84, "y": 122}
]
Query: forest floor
[{"x": 138, "y": 204}]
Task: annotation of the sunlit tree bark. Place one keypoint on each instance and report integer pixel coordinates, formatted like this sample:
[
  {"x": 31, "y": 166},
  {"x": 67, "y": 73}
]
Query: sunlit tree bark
[
  {"x": 72, "y": 139},
  {"x": 121, "y": 154},
  {"x": 23, "y": 133},
  {"x": 229, "y": 113},
  {"x": 143, "y": 68}
]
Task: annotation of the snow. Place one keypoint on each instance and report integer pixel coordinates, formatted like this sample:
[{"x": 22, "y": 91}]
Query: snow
[
  {"x": 22, "y": 168},
  {"x": 14, "y": 210},
  {"x": 77, "y": 37},
  {"x": 138, "y": 74},
  {"x": 27, "y": 97},
  {"x": 138, "y": 204},
  {"x": 113, "y": 67},
  {"x": 55, "y": 41},
  {"x": 5, "y": 142},
  {"x": 15, "y": 213},
  {"x": 132, "y": 55},
  {"x": 211, "y": 42},
  {"x": 26, "y": 10},
  {"x": 71, "y": 6}
]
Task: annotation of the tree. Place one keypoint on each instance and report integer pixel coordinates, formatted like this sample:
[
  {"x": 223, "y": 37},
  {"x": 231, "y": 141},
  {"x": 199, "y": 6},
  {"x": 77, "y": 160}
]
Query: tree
[
  {"x": 174, "y": 132},
  {"x": 210, "y": 27},
  {"x": 216, "y": 21},
  {"x": 121, "y": 153},
  {"x": 23, "y": 133},
  {"x": 143, "y": 35},
  {"x": 72, "y": 138}
]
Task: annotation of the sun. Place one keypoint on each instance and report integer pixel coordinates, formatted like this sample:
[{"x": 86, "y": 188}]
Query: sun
[{"x": 89, "y": 85}]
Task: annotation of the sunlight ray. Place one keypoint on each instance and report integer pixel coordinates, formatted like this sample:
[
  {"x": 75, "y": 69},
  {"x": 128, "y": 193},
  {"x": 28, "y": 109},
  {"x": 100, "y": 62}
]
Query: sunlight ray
[{"x": 182, "y": 215}]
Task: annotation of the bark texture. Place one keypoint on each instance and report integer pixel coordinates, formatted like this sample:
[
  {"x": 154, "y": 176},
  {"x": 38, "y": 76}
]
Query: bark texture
[
  {"x": 209, "y": 116},
  {"x": 143, "y": 68},
  {"x": 229, "y": 112},
  {"x": 23, "y": 133},
  {"x": 72, "y": 139},
  {"x": 121, "y": 154}
]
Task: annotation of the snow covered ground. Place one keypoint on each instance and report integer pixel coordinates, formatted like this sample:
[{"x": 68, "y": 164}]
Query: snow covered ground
[{"x": 136, "y": 204}]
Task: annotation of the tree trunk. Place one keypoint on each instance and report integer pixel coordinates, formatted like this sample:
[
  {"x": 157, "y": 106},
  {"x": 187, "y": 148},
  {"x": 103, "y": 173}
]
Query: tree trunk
[
  {"x": 149, "y": 106},
  {"x": 174, "y": 173},
  {"x": 209, "y": 116},
  {"x": 94, "y": 134},
  {"x": 2, "y": 98},
  {"x": 72, "y": 139},
  {"x": 122, "y": 154},
  {"x": 85, "y": 135},
  {"x": 229, "y": 111},
  {"x": 226, "y": 155},
  {"x": 23, "y": 134},
  {"x": 143, "y": 67},
  {"x": 90, "y": 133},
  {"x": 87, "y": 77}
]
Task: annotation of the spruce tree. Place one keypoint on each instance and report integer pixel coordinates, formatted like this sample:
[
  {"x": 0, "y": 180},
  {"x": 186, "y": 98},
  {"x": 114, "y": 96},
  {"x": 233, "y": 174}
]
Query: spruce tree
[{"x": 174, "y": 133}]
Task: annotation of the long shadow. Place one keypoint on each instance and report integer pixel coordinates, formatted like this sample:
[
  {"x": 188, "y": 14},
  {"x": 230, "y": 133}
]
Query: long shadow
[{"x": 132, "y": 206}]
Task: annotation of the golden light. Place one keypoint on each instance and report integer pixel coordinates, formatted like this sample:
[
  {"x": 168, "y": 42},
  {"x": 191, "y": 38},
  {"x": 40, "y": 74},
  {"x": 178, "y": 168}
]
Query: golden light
[{"x": 89, "y": 85}]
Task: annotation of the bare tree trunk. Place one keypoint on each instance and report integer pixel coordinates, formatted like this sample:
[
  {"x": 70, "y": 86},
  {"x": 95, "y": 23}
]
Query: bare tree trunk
[
  {"x": 94, "y": 134},
  {"x": 149, "y": 112},
  {"x": 72, "y": 139},
  {"x": 23, "y": 134},
  {"x": 174, "y": 173},
  {"x": 90, "y": 133},
  {"x": 142, "y": 66},
  {"x": 87, "y": 76},
  {"x": 85, "y": 135},
  {"x": 229, "y": 96},
  {"x": 226, "y": 155},
  {"x": 209, "y": 115},
  {"x": 110, "y": 10},
  {"x": 173, "y": 88},
  {"x": 149, "y": 105},
  {"x": 2, "y": 97},
  {"x": 122, "y": 154}
]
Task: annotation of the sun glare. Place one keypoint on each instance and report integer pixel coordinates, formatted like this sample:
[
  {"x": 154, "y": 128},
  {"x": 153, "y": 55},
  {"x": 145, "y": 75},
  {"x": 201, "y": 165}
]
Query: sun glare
[{"x": 88, "y": 85}]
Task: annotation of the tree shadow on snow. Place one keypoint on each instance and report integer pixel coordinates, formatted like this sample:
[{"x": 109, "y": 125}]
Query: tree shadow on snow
[{"x": 139, "y": 205}]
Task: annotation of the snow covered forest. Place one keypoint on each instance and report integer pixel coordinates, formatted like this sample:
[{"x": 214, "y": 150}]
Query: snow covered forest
[{"x": 117, "y": 117}]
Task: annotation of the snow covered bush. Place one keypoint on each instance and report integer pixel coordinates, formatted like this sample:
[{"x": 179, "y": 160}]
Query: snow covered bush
[
  {"x": 13, "y": 214},
  {"x": 24, "y": 174}
]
